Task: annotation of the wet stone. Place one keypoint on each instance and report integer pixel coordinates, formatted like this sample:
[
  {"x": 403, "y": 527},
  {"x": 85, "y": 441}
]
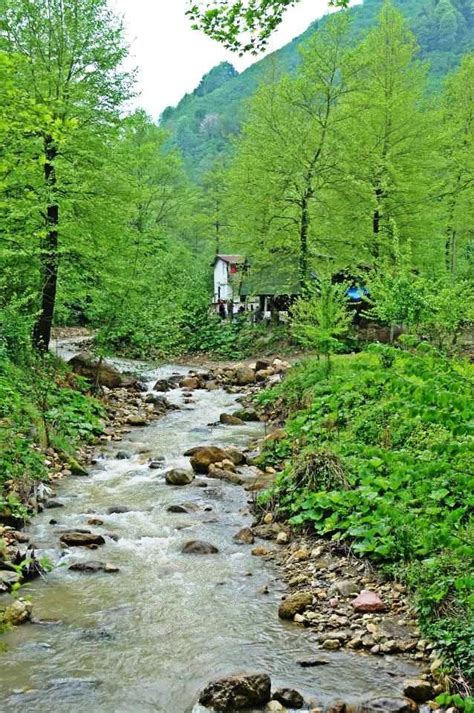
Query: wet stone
[
  {"x": 295, "y": 604},
  {"x": 237, "y": 693},
  {"x": 198, "y": 547},
  {"x": 93, "y": 567},
  {"x": 289, "y": 698},
  {"x": 81, "y": 538}
]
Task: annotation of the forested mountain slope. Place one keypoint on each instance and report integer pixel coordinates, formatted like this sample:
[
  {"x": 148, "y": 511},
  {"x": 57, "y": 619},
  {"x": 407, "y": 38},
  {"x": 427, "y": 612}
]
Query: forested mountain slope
[{"x": 204, "y": 120}]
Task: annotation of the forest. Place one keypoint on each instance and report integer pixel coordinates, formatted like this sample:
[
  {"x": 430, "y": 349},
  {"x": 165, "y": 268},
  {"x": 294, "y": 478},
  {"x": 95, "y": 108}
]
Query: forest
[{"x": 350, "y": 152}]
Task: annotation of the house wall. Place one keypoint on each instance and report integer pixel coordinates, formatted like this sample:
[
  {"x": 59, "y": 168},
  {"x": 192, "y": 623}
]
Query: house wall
[{"x": 221, "y": 280}]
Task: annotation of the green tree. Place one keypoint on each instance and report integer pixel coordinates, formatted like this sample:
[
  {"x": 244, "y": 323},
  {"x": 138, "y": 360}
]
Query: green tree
[
  {"x": 457, "y": 164},
  {"x": 320, "y": 318},
  {"x": 391, "y": 142},
  {"x": 287, "y": 158},
  {"x": 71, "y": 51}
]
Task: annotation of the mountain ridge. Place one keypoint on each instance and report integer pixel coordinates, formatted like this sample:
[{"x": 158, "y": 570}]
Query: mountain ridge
[{"x": 203, "y": 123}]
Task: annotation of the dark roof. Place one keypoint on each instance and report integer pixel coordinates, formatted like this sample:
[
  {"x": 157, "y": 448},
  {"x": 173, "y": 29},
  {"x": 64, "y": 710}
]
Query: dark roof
[
  {"x": 277, "y": 279},
  {"x": 231, "y": 258}
]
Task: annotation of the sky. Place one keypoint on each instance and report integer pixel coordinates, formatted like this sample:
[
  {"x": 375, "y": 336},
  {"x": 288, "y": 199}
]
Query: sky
[{"x": 171, "y": 58}]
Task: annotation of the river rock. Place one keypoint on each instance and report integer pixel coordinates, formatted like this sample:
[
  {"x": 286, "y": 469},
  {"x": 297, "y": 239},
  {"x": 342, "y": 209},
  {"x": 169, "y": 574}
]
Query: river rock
[
  {"x": 344, "y": 587},
  {"x": 190, "y": 382},
  {"x": 295, "y": 604},
  {"x": 8, "y": 579},
  {"x": 264, "y": 374},
  {"x": 52, "y": 504},
  {"x": 418, "y": 690},
  {"x": 81, "y": 538},
  {"x": 236, "y": 456},
  {"x": 162, "y": 385},
  {"x": 19, "y": 612},
  {"x": 203, "y": 456},
  {"x": 244, "y": 376},
  {"x": 331, "y": 645},
  {"x": 123, "y": 455},
  {"x": 387, "y": 705},
  {"x": 137, "y": 419},
  {"x": 117, "y": 510},
  {"x": 289, "y": 697},
  {"x": 227, "y": 475},
  {"x": 248, "y": 414},
  {"x": 237, "y": 693},
  {"x": 262, "y": 364},
  {"x": 181, "y": 509},
  {"x": 156, "y": 464},
  {"x": 103, "y": 374},
  {"x": 244, "y": 536},
  {"x": 179, "y": 476},
  {"x": 75, "y": 467},
  {"x": 157, "y": 400},
  {"x": 368, "y": 602},
  {"x": 198, "y": 547},
  {"x": 93, "y": 567},
  {"x": 275, "y": 707},
  {"x": 283, "y": 538},
  {"x": 228, "y": 419}
]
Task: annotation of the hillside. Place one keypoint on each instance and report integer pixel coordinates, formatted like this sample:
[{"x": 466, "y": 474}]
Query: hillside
[{"x": 204, "y": 121}]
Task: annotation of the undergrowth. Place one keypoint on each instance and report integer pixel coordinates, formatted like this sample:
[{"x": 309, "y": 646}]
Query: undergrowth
[
  {"x": 42, "y": 405},
  {"x": 378, "y": 453}
]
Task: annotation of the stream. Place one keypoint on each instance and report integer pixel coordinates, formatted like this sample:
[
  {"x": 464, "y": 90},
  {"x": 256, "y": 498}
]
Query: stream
[{"x": 149, "y": 637}]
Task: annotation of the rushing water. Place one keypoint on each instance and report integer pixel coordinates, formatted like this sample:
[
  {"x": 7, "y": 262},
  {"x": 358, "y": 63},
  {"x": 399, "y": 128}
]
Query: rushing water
[{"x": 150, "y": 637}]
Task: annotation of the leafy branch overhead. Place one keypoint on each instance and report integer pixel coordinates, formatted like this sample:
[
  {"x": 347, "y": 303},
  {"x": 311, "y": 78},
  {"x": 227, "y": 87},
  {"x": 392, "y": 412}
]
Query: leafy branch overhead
[{"x": 244, "y": 25}]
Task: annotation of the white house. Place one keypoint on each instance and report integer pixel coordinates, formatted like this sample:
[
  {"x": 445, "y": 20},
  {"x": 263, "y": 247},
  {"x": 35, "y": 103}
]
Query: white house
[{"x": 226, "y": 269}]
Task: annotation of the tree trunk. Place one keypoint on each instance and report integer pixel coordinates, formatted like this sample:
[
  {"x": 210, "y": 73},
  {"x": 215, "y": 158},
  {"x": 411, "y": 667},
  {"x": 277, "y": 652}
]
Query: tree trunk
[
  {"x": 304, "y": 229},
  {"x": 49, "y": 253},
  {"x": 450, "y": 251},
  {"x": 375, "y": 250}
]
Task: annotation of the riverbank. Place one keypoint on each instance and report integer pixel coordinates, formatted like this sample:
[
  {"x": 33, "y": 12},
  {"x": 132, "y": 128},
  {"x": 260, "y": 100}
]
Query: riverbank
[{"x": 374, "y": 458}]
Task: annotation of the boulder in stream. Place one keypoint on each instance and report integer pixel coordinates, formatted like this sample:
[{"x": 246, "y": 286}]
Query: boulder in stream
[
  {"x": 387, "y": 705},
  {"x": 162, "y": 385},
  {"x": 117, "y": 510},
  {"x": 237, "y": 693},
  {"x": 179, "y": 476},
  {"x": 203, "y": 456},
  {"x": 244, "y": 376},
  {"x": 198, "y": 547},
  {"x": 227, "y": 419},
  {"x": 418, "y": 690},
  {"x": 289, "y": 698},
  {"x": 19, "y": 612},
  {"x": 81, "y": 538},
  {"x": 94, "y": 567}
]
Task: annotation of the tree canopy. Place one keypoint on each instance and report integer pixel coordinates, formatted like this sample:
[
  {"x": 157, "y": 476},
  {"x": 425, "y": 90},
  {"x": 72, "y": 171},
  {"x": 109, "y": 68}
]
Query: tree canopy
[{"x": 245, "y": 25}]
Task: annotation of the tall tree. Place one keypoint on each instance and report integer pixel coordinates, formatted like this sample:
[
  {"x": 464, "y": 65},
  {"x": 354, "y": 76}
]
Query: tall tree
[
  {"x": 457, "y": 162},
  {"x": 389, "y": 142},
  {"x": 72, "y": 52},
  {"x": 287, "y": 160}
]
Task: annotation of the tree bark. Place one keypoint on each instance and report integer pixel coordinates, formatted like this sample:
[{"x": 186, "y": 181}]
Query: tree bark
[
  {"x": 49, "y": 253},
  {"x": 375, "y": 249},
  {"x": 304, "y": 229}
]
